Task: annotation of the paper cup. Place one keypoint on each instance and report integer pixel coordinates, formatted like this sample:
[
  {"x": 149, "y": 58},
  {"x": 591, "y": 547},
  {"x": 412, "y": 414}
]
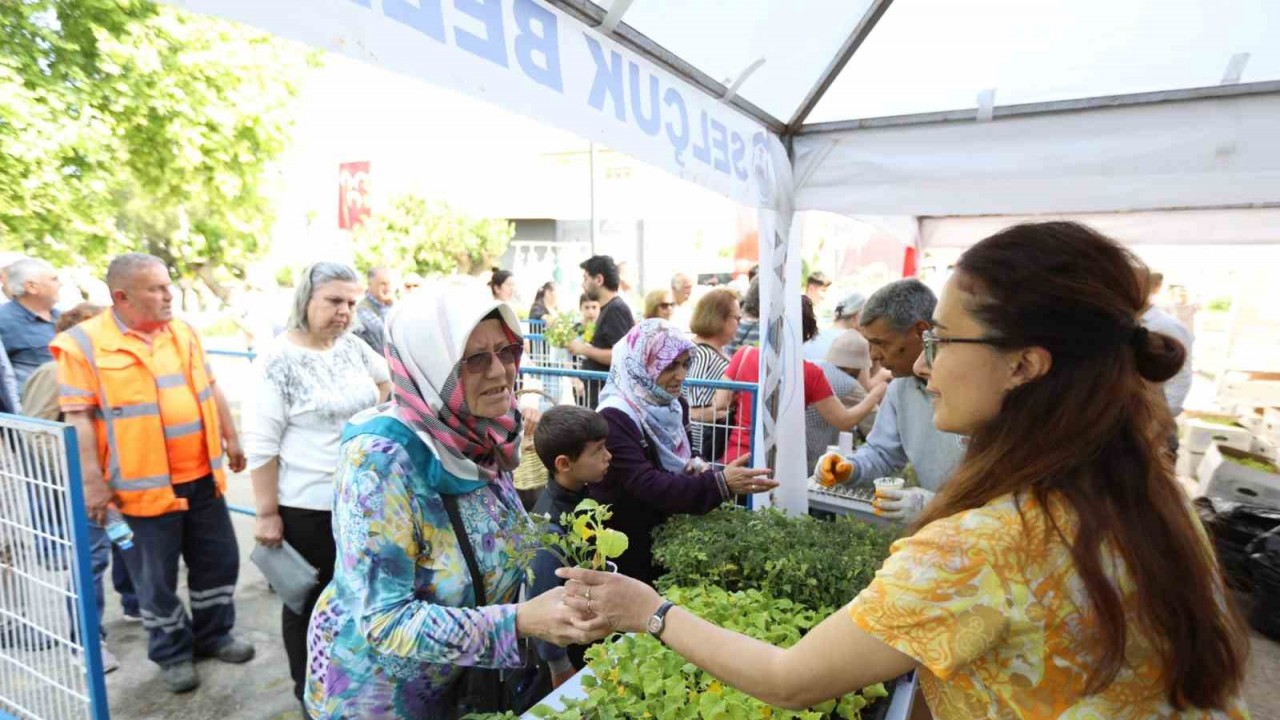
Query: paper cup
[{"x": 888, "y": 483}]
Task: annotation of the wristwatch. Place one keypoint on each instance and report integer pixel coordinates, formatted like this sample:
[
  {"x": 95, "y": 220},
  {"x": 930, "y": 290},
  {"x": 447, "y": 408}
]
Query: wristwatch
[{"x": 658, "y": 621}]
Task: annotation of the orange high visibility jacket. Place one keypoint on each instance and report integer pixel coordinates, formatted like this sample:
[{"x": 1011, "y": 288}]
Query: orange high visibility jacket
[{"x": 127, "y": 421}]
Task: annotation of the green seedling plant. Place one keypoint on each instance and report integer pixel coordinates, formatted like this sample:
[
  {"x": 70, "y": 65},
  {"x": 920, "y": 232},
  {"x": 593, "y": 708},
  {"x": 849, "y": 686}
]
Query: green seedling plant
[
  {"x": 586, "y": 542},
  {"x": 638, "y": 677},
  {"x": 561, "y": 329},
  {"x": 813, "y": 563}
]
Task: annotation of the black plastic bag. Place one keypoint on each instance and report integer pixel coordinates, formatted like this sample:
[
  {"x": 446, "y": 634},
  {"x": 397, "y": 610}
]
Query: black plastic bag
[
  {"x": 1233, "y": 526},
  {"x": 1264, "y": 564}
]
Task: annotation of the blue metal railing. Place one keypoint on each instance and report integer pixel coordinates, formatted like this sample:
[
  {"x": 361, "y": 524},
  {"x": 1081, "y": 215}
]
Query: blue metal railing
[
  {"x": 591, "y": 376},
  {"x": 48, "y": 574}
]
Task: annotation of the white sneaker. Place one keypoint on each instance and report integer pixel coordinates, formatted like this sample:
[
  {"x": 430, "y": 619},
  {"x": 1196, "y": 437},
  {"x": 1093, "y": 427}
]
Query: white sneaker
[{"x": 109, "y": 661}]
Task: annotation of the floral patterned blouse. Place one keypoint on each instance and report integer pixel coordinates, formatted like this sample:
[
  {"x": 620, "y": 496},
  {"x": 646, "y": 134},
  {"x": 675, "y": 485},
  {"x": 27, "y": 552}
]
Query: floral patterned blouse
[
  {"x": 395, "y": 627},
  {"x": 991, "y": 606}
]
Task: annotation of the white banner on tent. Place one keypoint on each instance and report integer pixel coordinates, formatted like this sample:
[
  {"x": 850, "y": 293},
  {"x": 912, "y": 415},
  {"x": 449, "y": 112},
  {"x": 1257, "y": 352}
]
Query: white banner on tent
[{"x": 533, "y": 59}]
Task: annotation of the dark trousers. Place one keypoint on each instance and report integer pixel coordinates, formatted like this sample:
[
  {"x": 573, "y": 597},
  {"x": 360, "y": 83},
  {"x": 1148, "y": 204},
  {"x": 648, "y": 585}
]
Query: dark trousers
[
  {"x": 203, "y": 537},
  {"x": 123, "y": 583},
  {"x": 310, "y": 532}
]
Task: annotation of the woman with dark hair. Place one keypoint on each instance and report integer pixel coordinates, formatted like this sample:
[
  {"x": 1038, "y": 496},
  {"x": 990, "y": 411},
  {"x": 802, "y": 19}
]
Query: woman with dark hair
[
  {"x": 745, "y": 367},
  {"x": 503, "y": 285},
  {"x": 544, "y": 303},
  {"x": 1061, "y": 571}
]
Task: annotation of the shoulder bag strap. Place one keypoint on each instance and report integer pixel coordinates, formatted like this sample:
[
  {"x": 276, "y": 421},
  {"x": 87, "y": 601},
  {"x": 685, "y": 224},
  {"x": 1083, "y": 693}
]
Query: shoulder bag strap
[{"x": 468, "y": 553}]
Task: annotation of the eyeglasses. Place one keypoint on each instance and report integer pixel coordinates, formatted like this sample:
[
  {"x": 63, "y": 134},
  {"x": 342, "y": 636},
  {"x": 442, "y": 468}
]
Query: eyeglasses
[
  {"x": 479, "y": 363},
  {"x": 666, "y": 306},
  {"x": 932, "y": 341}
]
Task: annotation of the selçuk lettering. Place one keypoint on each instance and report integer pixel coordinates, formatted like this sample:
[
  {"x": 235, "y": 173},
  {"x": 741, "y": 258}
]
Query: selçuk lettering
[{"x": 628, "y": 91}]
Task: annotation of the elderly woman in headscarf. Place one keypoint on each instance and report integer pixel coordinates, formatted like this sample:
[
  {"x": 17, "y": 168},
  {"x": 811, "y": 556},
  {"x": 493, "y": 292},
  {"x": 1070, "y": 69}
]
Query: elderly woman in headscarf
[
  {"x": 399, "y": 624},
  {"x": 653, "y": 474}
]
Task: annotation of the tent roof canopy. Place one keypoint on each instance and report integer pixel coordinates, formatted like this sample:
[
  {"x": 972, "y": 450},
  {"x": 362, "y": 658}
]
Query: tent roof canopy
[
  {"x": 1158, "y": 103},
  {"x": 789, "y": 62}
]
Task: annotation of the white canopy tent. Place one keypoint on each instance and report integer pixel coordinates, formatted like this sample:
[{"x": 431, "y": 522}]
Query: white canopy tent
[{"x": 927, "y": 107}]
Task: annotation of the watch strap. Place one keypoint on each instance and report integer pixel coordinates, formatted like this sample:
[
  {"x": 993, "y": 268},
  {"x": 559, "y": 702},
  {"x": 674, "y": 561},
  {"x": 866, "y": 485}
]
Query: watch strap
[{"x": 661, "y": 616}]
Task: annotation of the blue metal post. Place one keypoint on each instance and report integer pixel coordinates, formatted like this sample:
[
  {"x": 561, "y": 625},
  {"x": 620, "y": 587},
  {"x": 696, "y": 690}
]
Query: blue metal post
[
  {"x": 755, "y": 422},
  {"x": 90, "y": 632}
]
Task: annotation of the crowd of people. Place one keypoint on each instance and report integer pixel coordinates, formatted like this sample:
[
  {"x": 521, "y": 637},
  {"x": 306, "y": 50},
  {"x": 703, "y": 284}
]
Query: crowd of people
[{"x": 1050, "y": 566}]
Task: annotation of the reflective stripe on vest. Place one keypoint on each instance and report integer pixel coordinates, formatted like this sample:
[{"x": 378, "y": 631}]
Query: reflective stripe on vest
[
  {"x": 177, "y": 431},
  {"x": 115, "y": 479}
]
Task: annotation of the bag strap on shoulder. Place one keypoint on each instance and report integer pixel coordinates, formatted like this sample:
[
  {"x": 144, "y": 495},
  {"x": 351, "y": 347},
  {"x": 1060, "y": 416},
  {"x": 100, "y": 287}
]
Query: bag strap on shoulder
[{"x": 464, "y": 541}]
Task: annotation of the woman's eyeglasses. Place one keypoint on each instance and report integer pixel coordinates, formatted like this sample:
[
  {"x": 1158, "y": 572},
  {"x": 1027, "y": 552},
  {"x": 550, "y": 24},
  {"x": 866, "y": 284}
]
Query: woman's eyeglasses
[
  {"x": 479, "y": 363},
  {"x": 932, "y": 341},
  {"x": 666, "y": 306}
]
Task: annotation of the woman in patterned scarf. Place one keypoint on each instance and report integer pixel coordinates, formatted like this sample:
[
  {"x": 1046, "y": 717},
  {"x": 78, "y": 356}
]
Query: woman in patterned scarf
[
  {"x": 652, "y": 474},
  {"x": 393, "y": 632}
]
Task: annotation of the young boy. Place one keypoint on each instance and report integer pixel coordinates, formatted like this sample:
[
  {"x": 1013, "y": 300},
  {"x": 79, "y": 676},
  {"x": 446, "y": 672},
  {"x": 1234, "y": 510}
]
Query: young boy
[{"x": 570, "y": 441}]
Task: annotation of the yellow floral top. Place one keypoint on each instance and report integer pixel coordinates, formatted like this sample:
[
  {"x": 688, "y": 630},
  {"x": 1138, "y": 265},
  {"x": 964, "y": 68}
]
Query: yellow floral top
[{"x": 992, "y": 608}]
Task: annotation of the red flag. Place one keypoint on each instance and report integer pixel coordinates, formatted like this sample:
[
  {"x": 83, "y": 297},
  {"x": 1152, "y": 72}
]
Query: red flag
[{"x": 353, "y": 194}]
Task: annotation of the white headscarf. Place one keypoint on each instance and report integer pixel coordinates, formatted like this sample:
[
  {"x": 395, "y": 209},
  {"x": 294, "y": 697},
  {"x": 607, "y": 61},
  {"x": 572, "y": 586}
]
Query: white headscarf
[{"x": 427, "y": 335}]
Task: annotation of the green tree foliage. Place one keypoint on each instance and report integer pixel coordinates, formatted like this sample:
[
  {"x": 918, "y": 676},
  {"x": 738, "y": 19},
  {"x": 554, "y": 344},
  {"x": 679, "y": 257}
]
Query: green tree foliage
[
  {"x": 131, "y": 126},
  {"x": 414, "y": 234}
]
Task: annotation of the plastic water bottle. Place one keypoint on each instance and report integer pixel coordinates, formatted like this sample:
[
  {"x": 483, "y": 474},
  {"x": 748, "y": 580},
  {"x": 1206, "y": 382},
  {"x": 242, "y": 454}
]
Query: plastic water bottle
[{"x": 117, "y": 529}]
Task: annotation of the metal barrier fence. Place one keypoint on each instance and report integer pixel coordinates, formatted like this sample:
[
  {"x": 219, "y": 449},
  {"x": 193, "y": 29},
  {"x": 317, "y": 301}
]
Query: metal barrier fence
[
  {"x": 561, "y": 382},
  {"x": 50, "y": 651}
]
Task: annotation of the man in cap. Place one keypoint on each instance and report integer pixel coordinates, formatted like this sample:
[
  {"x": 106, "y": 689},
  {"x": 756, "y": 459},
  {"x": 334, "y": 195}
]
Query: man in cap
[
  {"x": 816, "y": 287},
  {"x": 847, "y": 367},
  {"x": 846, "y": 319}
]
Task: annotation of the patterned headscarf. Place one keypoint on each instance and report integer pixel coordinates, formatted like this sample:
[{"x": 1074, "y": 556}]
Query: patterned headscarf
[
  {"x": 633, "y": 387},
  {"x": 426, "y": 337}
]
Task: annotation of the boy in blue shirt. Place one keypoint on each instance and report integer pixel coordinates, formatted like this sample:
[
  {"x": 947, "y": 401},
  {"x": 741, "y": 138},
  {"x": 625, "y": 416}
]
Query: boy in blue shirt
[{"x": 570, "y": 441}]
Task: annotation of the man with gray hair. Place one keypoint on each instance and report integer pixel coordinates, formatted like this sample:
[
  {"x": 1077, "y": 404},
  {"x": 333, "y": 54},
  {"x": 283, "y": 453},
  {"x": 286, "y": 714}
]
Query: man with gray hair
[
  {"x": 156, "y": 438},
  {"x": 27, "y": 323},
  {"x": 682, "y": 291},
  {"x": 893, "y": 321},
  {"x": 371, "y": 312}
]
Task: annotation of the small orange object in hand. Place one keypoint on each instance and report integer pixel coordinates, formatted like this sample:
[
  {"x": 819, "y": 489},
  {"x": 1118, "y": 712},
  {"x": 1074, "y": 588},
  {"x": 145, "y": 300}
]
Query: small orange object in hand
[{"x": 834, "y": 470}]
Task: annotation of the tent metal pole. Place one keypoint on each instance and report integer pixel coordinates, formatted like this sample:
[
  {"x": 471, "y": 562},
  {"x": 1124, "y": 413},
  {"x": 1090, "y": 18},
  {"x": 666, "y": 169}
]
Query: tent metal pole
[
  {"x": 593, "y": 15},
  {"x": 851, "y": 45},
  {"x": 1047, "y": 108}
]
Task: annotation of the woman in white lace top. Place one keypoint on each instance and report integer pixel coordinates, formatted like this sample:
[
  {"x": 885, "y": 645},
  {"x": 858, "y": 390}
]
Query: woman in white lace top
[{"x": 306, "y": 384}]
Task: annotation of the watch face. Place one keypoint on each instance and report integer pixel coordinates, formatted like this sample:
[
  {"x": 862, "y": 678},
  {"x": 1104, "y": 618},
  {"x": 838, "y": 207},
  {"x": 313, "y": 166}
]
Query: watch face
[{"x": 655, "y": 625}]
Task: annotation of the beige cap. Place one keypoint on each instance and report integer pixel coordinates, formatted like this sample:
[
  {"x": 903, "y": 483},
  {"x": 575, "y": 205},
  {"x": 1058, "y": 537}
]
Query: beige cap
[{"x": 850, "y": 350}]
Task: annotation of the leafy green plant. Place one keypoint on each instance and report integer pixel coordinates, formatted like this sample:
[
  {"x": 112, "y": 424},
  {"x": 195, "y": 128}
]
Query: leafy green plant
[
  {"x": 639, "y": 677},
  {"x": 814, "y": 563},
  {"x": 128, "y": 125},
  {"x": 561, "y": 329},
  {"x": 586, "y": 541},
  {"x": 430, "y": 238}
]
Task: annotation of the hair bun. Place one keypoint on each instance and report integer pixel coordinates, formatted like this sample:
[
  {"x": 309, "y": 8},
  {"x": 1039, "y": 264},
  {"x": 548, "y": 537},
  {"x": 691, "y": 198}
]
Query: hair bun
[{"x": 1158, "y": 356}]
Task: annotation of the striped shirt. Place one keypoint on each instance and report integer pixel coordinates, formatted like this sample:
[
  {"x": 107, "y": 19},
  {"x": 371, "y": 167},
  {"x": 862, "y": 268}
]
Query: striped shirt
[{"x": 708, "y": 364}]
